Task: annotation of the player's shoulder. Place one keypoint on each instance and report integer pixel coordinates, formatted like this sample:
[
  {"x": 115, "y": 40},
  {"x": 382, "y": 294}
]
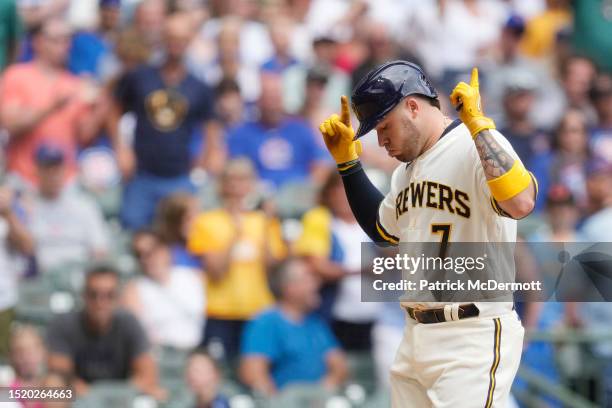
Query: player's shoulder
[
  {"x": 398, "y": 173},
  {"x": 458, "y": 134}
]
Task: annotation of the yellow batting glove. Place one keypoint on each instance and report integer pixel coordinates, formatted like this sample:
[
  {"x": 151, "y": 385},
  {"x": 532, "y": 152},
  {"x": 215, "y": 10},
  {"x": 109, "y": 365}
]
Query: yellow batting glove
[
  {"x": 466, "y": 100},
  {"x": 339, "y": 134}
]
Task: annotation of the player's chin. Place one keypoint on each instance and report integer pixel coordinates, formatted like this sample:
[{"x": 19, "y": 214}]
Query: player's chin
[{"x": 400, "y": 157}]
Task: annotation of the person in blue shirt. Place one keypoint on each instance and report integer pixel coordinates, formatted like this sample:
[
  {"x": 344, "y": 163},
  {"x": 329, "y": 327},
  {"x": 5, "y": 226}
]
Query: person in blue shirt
[
  {"x": 169, "y": 105},
  {"x": 288, "y": 344},
  {"x": 283, "y": 149},
  {"x": 90, "y": 48},
  {"x": 280, "y": 36}
]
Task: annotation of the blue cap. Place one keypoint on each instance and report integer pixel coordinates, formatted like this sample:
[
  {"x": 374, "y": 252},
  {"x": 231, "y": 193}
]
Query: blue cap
[
  {"x": 49, "y": 154},
  {"x": 515, "y": 23}
]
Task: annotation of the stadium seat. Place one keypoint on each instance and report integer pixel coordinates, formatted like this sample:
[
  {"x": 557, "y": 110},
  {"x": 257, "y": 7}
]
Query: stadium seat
[
  {"x": 294, "y": 199},
  {"x": 361, "y": 370},
  {"x": 171, "y": 362},
  {"x": 380, "y": 398},
  {"x": 33, "y": 305},
  {"x": 116, "y": 394},
  {"x": 67, "y": 277},
  {"x": 301, "y": 395}
]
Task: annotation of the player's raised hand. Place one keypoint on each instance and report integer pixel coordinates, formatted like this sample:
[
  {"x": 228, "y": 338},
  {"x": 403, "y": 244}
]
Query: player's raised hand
[
  {"x": 338, "y": 135},
  {"x": 466, "y": 99}
]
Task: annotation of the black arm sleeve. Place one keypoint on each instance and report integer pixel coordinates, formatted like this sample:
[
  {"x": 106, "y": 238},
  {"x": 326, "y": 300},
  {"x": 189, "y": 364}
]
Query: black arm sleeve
[{"x": 364, "y": 199}]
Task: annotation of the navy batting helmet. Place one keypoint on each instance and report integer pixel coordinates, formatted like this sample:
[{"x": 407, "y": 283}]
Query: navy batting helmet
[{"x": 381, "y": 89}]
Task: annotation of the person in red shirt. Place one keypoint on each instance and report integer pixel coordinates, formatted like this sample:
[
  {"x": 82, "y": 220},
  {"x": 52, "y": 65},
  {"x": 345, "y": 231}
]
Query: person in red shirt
[{"x": 41, "y": 101}]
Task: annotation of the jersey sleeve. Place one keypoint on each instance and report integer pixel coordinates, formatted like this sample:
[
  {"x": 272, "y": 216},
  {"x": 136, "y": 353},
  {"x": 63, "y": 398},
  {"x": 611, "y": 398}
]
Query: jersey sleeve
[
  {"x": 386, "y": 223},
  {"x": 386, "y": 220},
  {"x": 482, "y": 179}
]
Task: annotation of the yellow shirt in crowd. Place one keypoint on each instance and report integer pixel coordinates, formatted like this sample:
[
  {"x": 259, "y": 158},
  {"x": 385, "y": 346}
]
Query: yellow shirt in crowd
[
  {"x": 243, "y": 291},
  {"x": 315, "y": 239},
  {"x": 541, "y": 31}
]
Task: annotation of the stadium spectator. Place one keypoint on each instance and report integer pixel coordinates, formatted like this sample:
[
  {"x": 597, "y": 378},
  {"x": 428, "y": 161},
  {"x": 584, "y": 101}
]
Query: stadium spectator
[
  {"x": 238, "y": 245},
  {"x": 15, "y": 245},
  {"x": 380, "y": 48},
  {"x": 249, "y": 37},
  {"x": 597, "y": 227},
  {"x": 226, "y": 61},
  {"x": 577, "y": 76},
  {"x": 445, "y": 44},
  {"x": 149, "y": 21},
  {"x": 10, "y": 33},
  {"x": 65, "y": 225},
  {"x": 517, "y": 125},
  {"x": 27, "y": 358},
  {"x": 204, "y": 380},
  {"x": 91, "y": 49},
  {"x": 283, "y": 149},
  {"x": 229, "y": 105},
  {"x": 601, "y": 134},
  {"x": 37, "y": 12},
  {"x": 42, "y": 101},
  {"x": 326, "y": 47},
  {"x": 130, "y": 51},
  {"x": 331, "y": 240},
  {"x": 175, "y": 215},
  {"x": 386, "y": 337},
  {"x": 562, "y": 217},
  {"x": 168, "y": 300},
  {"x": 508, "y": 59},
  {"x": 169, "y": 104},
  {"x": 102, "y": 342},
  {"x": 326, "y": 50},
  {"x": 288, "y": 344},
  {"x": 280, "y": 35},
  {"x": 313, "y": 110},
  {"x": 566, "y": 162}
]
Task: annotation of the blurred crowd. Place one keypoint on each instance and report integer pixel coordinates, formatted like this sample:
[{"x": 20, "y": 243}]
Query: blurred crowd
[{"x": 164, "y": 155}]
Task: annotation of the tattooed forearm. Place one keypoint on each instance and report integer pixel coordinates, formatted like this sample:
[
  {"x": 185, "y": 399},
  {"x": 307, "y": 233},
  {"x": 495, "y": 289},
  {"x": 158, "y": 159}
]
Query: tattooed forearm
[{"x": 493, "y": 157}]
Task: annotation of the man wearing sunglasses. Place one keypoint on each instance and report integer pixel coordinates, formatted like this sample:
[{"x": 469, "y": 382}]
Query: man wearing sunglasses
[{"x": 101, "y": 342}]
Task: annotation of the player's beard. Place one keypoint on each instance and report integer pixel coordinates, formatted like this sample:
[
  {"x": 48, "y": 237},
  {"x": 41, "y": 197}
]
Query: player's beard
[{"x": 411, "y": 141}]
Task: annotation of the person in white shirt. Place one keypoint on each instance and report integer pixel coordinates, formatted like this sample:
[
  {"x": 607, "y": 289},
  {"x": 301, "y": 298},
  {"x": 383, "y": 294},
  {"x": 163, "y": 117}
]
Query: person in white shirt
[
  {"x": 67, "y": 227},
  {"x": 168, "y": 300}
]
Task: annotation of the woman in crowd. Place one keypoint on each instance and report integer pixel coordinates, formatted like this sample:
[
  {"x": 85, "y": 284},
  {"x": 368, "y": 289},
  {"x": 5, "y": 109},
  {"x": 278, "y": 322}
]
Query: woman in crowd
[
  {"x": 238, "y": 245},
  {"x": 175, "y": 215},
  {"x": 27, "y": 356},
  {"x": 331, "y": 241},
  {"x": 566, "y": 163},
  {"x": 167, "y": 299}
]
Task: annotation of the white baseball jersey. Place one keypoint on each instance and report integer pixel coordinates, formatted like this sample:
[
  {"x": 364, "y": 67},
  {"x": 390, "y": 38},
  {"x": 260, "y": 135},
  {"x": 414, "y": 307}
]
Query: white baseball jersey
[
  {"x": 463, "y": 363},
  {"x": 443, "y": 195}
]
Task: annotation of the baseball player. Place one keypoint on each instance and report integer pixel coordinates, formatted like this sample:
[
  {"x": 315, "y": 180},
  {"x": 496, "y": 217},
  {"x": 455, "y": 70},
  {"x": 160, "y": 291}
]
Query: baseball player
[{"x": 460, "y": 181}]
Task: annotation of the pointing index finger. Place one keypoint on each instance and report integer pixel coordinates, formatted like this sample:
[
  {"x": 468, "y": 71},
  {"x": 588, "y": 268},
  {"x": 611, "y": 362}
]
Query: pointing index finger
[
  {"x": 474, "y": 80},
  {"x": 345, "y": 113}
]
